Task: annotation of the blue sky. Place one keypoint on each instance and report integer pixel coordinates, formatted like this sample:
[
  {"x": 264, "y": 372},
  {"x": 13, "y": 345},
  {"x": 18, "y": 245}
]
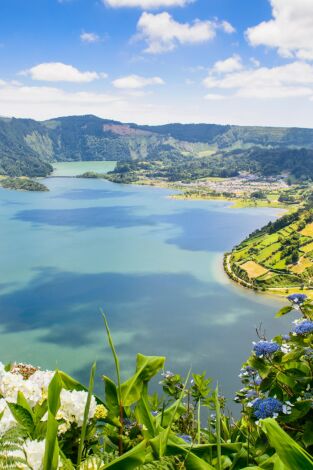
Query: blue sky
[{"x": 157, "y": 61}]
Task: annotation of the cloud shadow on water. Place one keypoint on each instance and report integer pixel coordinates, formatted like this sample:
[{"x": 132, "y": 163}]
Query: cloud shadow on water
[{"x": 87, "y": 194}]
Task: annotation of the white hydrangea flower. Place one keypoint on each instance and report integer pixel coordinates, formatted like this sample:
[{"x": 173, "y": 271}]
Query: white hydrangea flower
[
  {"x": 11, "y": 384},
  {"x": 7, "y": 421},
  {"x": 73, "y": 406},
  {"x": 34, "y": 451}
]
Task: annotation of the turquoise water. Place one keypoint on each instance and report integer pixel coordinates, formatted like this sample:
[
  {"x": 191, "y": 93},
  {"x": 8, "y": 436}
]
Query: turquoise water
[
  {"x": 152, "y": 263},
  {"x": 78, "y": 168}
]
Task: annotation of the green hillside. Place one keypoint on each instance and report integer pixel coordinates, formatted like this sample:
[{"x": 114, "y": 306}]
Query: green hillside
[
  {"x": 278, "y": 256},
  {"x": 28, "y": 147}
]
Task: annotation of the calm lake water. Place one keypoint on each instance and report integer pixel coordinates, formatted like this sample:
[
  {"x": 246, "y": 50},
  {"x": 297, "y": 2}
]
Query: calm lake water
[{"x": 153, "y": 264}]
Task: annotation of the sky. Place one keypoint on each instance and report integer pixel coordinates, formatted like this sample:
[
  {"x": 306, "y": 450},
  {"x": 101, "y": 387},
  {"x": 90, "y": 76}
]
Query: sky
[{"x": 246, "y": 62}]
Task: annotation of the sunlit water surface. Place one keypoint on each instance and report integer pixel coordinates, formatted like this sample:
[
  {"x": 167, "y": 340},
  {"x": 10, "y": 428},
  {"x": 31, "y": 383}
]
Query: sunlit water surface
[{"x": 153, "y": 264}]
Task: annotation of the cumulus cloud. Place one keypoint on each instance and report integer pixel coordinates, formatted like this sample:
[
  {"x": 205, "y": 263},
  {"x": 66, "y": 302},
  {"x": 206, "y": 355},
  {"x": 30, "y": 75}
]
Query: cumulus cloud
[
  {"x": 146, "y": 4},
  {"x": 89, "y": 37},
  {"x": 290, "y": 80},
  {"x": 162, "y": 33},
  {"x": 290, "y": 29},
  {"x": 59, "y": 72},
  {"x": 133, "y": 82},
  {"x": 231, "y": 64}
]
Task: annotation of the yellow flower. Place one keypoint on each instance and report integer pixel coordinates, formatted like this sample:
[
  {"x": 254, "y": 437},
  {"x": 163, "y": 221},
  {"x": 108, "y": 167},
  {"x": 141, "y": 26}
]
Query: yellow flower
[{"x": 101, "y": 412}]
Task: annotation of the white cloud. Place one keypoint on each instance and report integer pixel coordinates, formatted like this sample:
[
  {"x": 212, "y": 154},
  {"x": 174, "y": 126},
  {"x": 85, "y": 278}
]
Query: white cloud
[
  {"x": 59, "y": 72},
  {"x": 146, "y": 4},
  {"x": 162, "y": 33},
  {"x": 290, "y": 29},
  {"x": 231, "y": 64},
  {"x": 214, "y": 97},
  {"x": 43, "y": 102},
  {"x": 291, "y": 80},
  {"x": 89, "y": 37},
  {"x": 133, "y": 82}
]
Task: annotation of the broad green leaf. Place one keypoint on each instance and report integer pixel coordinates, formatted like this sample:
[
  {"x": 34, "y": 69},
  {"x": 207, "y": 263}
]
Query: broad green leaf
[
  {"x": 51, "y": 456},
  {"x": 130, "y": 460},
  {"x": 144, "y": 417},
  {"x": 21, "y": 400},
  {"x": 192, "y": 462},
  {"x": 111, "y": 395},
  {"x": 86, "y": 414},
  {"x": 292, "y": 455},
  {"x": 69, "y": 383},
  {"x": 147, "y": 367},
  {"x": 22, "y": 416},
  {"x": 284, "y": 311},
  {"x": 54, "y": 391}
]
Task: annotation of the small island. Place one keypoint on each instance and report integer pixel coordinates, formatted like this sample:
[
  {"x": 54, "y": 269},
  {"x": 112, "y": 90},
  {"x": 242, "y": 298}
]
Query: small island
[{"x": 22, "y": 184}]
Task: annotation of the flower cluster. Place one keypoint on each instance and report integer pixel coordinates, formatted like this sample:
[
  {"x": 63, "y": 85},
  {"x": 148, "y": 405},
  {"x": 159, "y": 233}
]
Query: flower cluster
[
  {"x": 265, "y": 348},
  {"x": 33, "y": 384},
  {"x": 297, "y": 299},
  {"x": 303, "y": 328},
  {"x": 266, "y": 407}
]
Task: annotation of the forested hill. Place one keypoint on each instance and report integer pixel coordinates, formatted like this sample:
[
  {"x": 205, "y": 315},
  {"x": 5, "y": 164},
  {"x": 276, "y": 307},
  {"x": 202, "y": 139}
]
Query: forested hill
[{"x": 28, "y": 147}]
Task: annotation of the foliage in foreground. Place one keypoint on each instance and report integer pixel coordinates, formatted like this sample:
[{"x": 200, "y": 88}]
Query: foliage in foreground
[{"x": 50, "y": 421}]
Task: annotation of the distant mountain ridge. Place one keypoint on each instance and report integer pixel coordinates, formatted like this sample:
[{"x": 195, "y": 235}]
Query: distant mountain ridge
[{"x": 28, "y": 147}]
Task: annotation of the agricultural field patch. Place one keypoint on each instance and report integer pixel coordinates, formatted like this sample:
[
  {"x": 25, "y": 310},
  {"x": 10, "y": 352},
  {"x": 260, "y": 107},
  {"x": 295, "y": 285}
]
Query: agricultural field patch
[
  {"x": 308, "y": 230},
  {"x": 253, "y": 269}
]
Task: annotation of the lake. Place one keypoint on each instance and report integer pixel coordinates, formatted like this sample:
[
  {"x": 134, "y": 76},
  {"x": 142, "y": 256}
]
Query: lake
[{"x": 152, "y": 263}]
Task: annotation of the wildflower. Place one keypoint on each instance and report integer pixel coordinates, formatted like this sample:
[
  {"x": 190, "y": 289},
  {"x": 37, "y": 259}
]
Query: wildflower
[
  {"x": 251, "y": 394},
  {"x": 303, "y": 328},
  {"x": 297, "y": 299},
  {"x": 265, "y": 348},
  {"x": 285, "y": 348},
  {"x": 286, "y": 337},
  {"x": 101, "y": 412},
  {"x": 266, "y": 408},
  {"x": 154, "y": 413},
  {"x": 168, "y": 374},
  {"x": 186, "y": 438},
  {"x": 287, "y": 407}
]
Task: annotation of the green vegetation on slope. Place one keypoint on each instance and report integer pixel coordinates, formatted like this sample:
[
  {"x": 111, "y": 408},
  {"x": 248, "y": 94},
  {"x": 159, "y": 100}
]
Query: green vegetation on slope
[
  {"x": 280, "y": 255},
  {"x": 27, "y": 147}
]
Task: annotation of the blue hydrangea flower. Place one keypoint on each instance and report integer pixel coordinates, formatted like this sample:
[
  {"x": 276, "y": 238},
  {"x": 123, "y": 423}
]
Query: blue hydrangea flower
[
  {"x": 186, "y": 438},
  {"x": 265, "y": 348},
  {"x": 266, "y": 408},
  {"x": 297, "y": 298},
  {"x": 304, "y": 328},
  {"x": 286, "y": 337}
]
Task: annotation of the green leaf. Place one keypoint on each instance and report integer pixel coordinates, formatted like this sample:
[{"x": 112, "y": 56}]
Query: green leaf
[
  {"x": 143, "y": 415},
  {"x": 283, "y": 311},
  {"x": 21, "y": 400},
  {"x": 192, "y": 462},
  {"x": 292, "y": 455},
  {"x": 54, "y": 391},
  {"x": 69, "y": 383},
  {"x": 130, "y": 460},
  {"x": 111, "y": 395},
  {"x": 51, "y": 457},
  {"x": 22, "y": 416},
  {"x": 147, "y": 367},
  {"x": 86, "y": 414}
]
